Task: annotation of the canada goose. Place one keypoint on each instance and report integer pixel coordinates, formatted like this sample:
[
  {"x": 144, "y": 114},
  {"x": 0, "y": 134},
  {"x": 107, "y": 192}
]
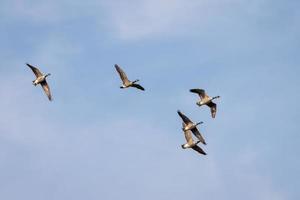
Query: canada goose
[
  {"x": 188, "y": 125},
  {"x": 206, "y": 100},
  {"x": 126, "y": 82},
  {"x": 190, "y": 142},
  {"x": 41, "y": 79}
]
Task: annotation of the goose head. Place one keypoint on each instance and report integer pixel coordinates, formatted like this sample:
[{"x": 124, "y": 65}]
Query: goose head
[
  {"x": 47, "y": 75},
  {"x": 198, "y": 123},
  {"x": 216, "y": 97}
]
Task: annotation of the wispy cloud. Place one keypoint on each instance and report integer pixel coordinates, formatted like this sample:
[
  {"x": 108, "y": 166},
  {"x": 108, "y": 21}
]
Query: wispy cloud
[
  {"x": 144, "y": 19},
  {"x": 31, "y": 10}
]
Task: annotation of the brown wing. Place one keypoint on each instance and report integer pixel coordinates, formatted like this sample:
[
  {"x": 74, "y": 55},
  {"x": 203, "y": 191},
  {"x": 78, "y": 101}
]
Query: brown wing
[
  {"x": 35, "y": 70},
  {"x": 122, "y": 74},
  {"x": 198, "y": 149},
  {"x": 200, "y": 92},
  {"x": 213, "y": 109},
  {"x": 184, "y": 118},
  {"x": 198, "y": 135},
  {"x": 137, "y": 86},
  {"x": 183, "y": 125},
  {"x": 188, "y": 137},
  {"x": 46, "y": 88}
]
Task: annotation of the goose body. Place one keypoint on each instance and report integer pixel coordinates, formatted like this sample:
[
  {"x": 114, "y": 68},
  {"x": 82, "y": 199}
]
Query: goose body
[
  {"x": 206, "y": 100},
  {"x": 126, "y": 83},
  {"x": 188, "y": 125},
  {"x": 41, "y": 79},
  {"x": 191, "y": 144}
]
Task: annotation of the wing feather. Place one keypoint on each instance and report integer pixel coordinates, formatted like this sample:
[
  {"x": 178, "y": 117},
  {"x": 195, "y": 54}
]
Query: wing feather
[
  {"x": 138, "y": 86},
  {"x": 184, "y": 118},
  {"x": 213, "y": 109},
  {"x": 46, "y": 88},
  {"x": 198, "y": 135},
  {"x": 35, "y": 70},
  {"x": 122, "y": 74},
  {"x": 200, "y": 92},
  {"x": 198, "y": 149}
]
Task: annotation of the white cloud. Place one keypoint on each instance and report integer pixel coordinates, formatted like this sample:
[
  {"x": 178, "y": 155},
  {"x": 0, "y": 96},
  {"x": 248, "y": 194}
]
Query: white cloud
[
  {"x": 141, "y": 19},
  {"x": 35, "y": 11},
  {"x": 129, "y": 19}
]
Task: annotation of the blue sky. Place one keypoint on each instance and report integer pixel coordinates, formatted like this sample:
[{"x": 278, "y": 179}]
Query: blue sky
[{"x": 95, "y": 141}]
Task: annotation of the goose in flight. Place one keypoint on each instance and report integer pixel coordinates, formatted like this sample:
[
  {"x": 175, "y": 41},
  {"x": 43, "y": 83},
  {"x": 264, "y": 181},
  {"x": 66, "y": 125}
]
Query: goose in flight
[
  {"x": 41, "y": 79},
  {"x": 188, "y": 125},
  {"x": 126, "y": 82},
  {"x": 206, "y": 100},
  {"x": 190, "y": 142}
]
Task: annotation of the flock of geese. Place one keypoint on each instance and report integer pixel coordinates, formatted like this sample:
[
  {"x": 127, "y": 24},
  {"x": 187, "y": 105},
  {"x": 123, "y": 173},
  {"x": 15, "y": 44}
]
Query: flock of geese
[{"x": 188, "y": 126}]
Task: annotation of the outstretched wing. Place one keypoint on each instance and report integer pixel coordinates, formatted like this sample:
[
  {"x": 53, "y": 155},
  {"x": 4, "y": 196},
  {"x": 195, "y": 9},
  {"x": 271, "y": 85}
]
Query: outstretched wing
[
  {"x": 184, "y": 118},
  {"x": 198, "y": 135},
  {"x": 183, "y": 125},
  {"x": 122, "y": 74},
  {"x": 213, "y": 109},
  {"x": 46, "y": 88},
  {"x": 198, "y": 149},
  {"x": 200, "y": 92},
  {"x": 35, "y": 70},
  {"x": 137, "y": 86}
]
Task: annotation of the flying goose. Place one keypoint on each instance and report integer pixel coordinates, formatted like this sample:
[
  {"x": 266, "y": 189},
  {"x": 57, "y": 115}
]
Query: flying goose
[
  {"x": 190, "y": 142},
  {"x": 206, "y": 100},
  {"x": 188, "y": 125},
  {"x": 126, "y": 82},
  {"x": 41, "y": 79}
]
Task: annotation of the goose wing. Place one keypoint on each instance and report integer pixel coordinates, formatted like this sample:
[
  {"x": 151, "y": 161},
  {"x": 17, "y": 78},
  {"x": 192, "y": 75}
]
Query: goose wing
[
  {"x": 184, "y": 118},
  {"x": 122, "y": 74},
  {"x": 198, "y": 149},
  {"x": 46, "y": 88},
  {"x": 198, "y": 135},
  {"x": 200, "y": 92},
  {"x": 137, "y": 86},
  {"x": 188, "y": 137},
  {"x": 35, "y": 70},
  {"x": 183, "y": 125},
  {"x": 213, "y": 109}
]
